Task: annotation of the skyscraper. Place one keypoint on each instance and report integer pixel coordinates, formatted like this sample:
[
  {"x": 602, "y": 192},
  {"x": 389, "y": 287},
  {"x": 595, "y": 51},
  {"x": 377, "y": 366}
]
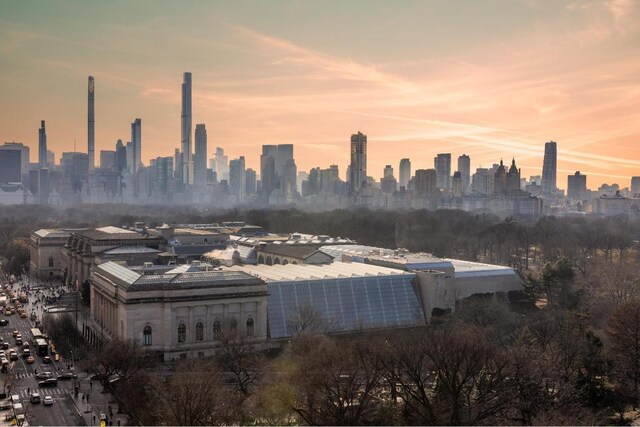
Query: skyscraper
[
  {"x": 577, "y": 187},
  {"x": 187, "y": 169},
  {"x": 200, "y": 157},
  {"x": 425, "y": 183},
  {"x": 136, "y": 144},
  {"x": 42, "y": 146},
  {"x": 549, "y": 168},
  {"x": 237, "y": 183},
  {"x": 121, "y": 157},
  {"x": 358, "y": 165},
  {"x": 635, "y": 186},
  {"x": 91, "y": 124},
  {"x": 442, "y": 165},
  {"x": 464, "y": 167},
  {"x": 405, "y": 172}
]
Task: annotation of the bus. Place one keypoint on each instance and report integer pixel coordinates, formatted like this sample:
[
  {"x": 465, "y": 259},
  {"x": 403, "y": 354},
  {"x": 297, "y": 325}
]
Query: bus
[
  {"x": 36, "y": 333},
  {"x": 41, "y": 346}
]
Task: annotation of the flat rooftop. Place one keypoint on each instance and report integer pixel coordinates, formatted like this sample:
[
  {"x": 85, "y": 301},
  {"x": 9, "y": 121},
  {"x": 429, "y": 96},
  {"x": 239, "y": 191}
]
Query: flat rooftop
[
  {"x": 469, "y": 268},
  {"x": 300, "y": 272}
]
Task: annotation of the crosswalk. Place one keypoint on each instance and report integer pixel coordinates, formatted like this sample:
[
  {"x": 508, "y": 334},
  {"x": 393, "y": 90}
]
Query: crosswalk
[{"x": 45, "y": 392}]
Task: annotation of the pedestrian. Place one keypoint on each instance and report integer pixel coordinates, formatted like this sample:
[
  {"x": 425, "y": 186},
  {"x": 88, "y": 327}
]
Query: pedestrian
[
  {"x": 91, "y": 384},
  {"x": 28, "y": 390},
  {"x": 88, "y": 398},
  {"x": 118, "y": 423},
  {"x": 94, "y": 419},
  {"x": 83, "y": 397},
  {"x": 36, "y": 371}
]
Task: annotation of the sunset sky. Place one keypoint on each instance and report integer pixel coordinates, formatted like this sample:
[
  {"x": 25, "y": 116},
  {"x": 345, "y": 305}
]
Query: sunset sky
[{"x": 490, "y": 79}]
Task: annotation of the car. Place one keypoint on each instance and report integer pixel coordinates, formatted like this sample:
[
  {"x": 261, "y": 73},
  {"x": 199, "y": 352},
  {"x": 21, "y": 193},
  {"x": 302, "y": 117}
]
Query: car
[
  {"x": 19, "y": 341},
  {"x": 46, "y": 359},
  {"x": 26, "y": 346},
  {"x": 50, "y": 382},
  {"x": 30, "y": 359},
  {"x": 47, "y": 401},
  {"x": 23, "y": 314},
  {"x": 26, "y": 352},
  {"x": 4, "y": 345},
  {"x": 44, "y": 375},
  {"x": 4, "y": 322},
  {"x": 67, "y": 376},
  {"x": 35, "y": 397},
  {"x": 15, "y": 333},
  {"x": 5, "y": 404},
  {"x": 13, "y": 355}
]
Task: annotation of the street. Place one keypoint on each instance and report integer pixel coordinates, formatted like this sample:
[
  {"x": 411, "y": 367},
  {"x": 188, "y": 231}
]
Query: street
[{"x": 64, "y": 410}]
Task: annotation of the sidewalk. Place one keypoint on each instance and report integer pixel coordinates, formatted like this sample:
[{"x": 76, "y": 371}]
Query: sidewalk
[{"x": 98, "y": 403}]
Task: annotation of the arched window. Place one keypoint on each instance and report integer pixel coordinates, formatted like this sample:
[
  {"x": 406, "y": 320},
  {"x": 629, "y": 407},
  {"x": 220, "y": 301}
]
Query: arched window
[
  {"x": 216, "y": 330},
  {"x": 276, "y": 261},
  {"x": 233, "y": 325},
  {"x": 146, "y": 335},
  {"x": 269, "y": 261},
  {"x": 285, "y": 262},
  {"x": 182, "y": 333},
  {"x": 260, "y": 259},
  {"x": 50, "y": 261},
  {"x": 250, "y": 327},
  {"x": 199, "y": 331}
]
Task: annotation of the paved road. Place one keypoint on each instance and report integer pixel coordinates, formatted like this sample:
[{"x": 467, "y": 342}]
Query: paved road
[{"x": 64, "y": 411}]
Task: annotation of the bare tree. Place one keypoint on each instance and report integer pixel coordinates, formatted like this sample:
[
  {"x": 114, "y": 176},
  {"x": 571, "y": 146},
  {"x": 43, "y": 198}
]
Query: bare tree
[{"x": 624, "y": 330}]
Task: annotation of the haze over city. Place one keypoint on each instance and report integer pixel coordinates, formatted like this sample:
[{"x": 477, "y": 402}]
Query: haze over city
[{"x": 492, "y": 80}]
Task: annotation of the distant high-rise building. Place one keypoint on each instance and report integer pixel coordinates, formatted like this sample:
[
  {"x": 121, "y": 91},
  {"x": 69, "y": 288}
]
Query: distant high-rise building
[
  {"x": 442, "y": 165},
  {"x": 136, "y": 144},
  {"x": 42, "y": 145},
  {"x": 456, "y": 184},
  {"x": 549, "y": 168},
  {"x": 500, "y": 179},
  {"x": 220, "y": 164},
  {"x": 250, "y": 179},
  {"x": 358, "y": 165},
  {"x": 289, "y": 178},
  {"x": 425, "y": 183},
  {"x": 121, "y": 157},
  {"x": 129, "y": 156},
  {"x": 464, "y": 167},
  {"x": 577, "y": 187},
  {"x": 405, "y": 173},
  {"x": 51, "y": 159},
  {"x": 267, "y": 176},
  {"x": 284, "y": 153},
  {"x": 91, "y": 124},
  {"x": 107, "y": 159},
  {"x": 388, "y": 183},
  {"x": 187, "y": 169},
  {"x": 237, "y": 183},
  {"x": 513, "y": 178},
  {"x": 14, "y": 172},
  {"x": 200, "y": 157},
  {"x": 635, "y": 186}
]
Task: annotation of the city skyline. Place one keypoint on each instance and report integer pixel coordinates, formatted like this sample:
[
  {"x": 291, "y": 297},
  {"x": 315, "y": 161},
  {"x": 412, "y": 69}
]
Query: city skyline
[{"x": 489, "y": 96}]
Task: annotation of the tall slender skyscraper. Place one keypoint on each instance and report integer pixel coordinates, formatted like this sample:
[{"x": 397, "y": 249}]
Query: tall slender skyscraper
[
  {"x": 200, "y": 157},
  {"x": 405, "y": 172},
  {"x": 464, "y": 167},
  {"x": 91, "y": 125},
  {"x": 136, "y": 144},
  {"x": 187, "y": 159},
  {"x": 549, "y": 168},
  {"x": 358, "y": 166},
  {"x": 42, "y": 146}
]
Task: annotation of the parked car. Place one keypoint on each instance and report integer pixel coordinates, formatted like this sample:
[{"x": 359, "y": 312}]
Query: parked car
[
  {"x": 4, "y": 322},
  {"x": 47, "y": 401}
]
